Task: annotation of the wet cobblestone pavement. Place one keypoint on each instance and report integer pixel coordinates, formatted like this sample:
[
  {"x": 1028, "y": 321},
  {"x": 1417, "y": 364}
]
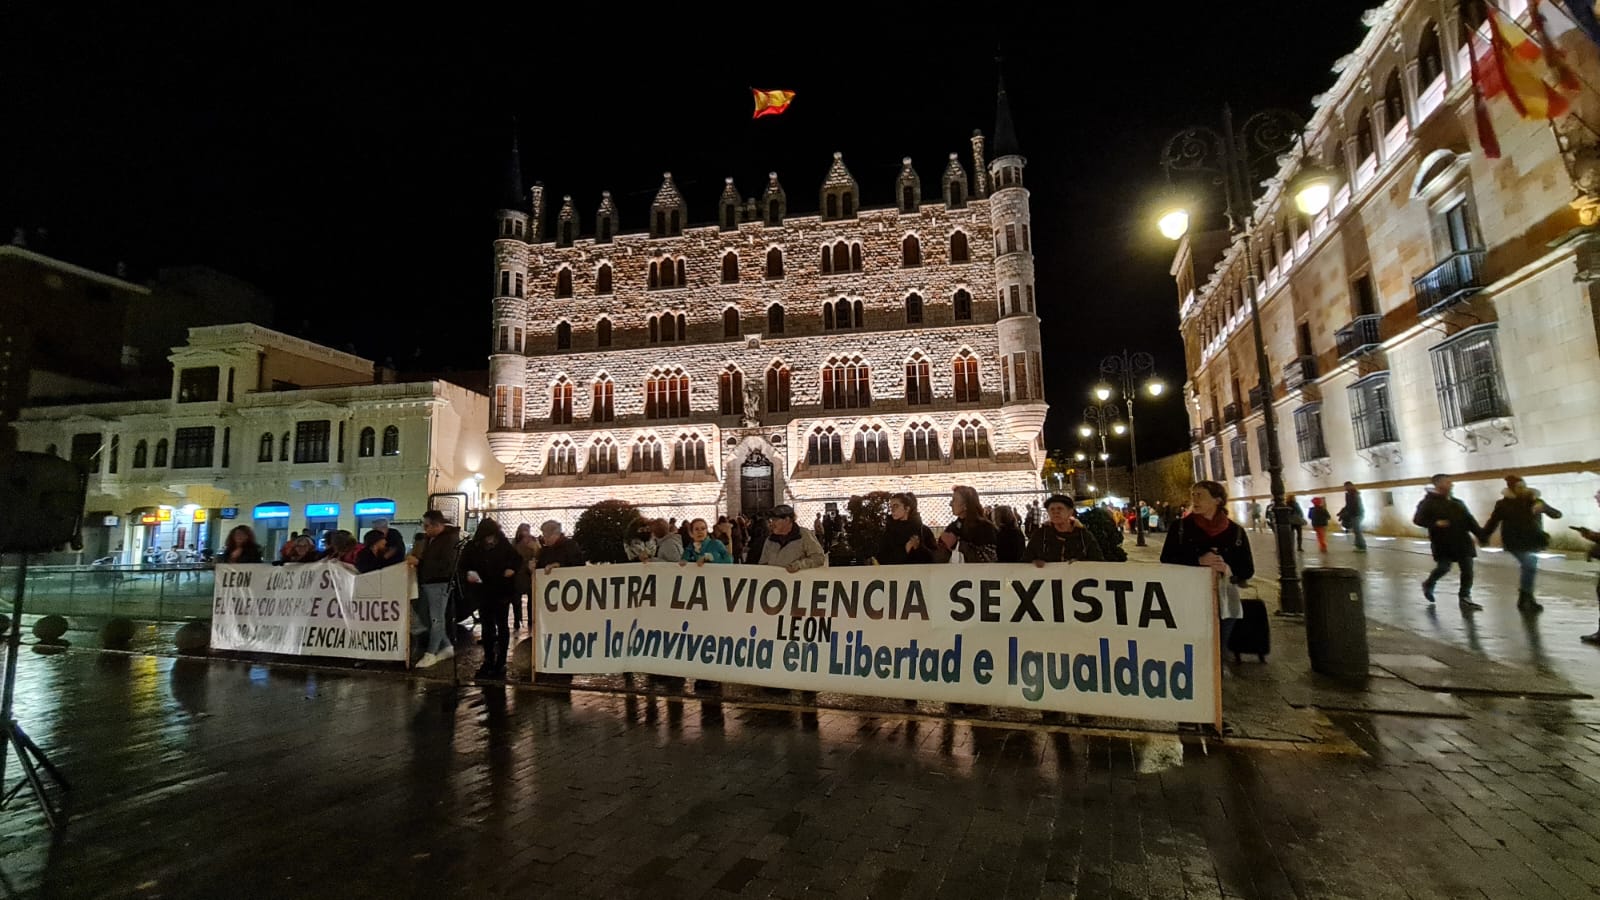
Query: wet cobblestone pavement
[{"x": 197, "y": 778}]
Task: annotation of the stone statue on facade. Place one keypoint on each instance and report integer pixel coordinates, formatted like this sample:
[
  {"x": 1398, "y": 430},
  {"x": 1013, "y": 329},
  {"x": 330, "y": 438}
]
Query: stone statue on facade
[{"x": 752, "y": 406}]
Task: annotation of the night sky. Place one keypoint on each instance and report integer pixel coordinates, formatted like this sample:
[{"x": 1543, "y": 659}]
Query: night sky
[{"x": 349, "y": 161}]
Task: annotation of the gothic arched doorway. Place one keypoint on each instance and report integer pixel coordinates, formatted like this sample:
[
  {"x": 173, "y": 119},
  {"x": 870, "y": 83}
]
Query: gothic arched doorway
[{"x": 756, "y": 485}]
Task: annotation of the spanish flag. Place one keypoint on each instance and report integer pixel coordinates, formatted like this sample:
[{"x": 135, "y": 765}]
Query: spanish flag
[
  {"x": 1534, "y": 78},
  {"x": 770, "y": 103}
]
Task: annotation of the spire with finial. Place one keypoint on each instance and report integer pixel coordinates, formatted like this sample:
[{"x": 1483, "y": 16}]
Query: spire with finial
[
  {"x": 1005, "y": 132},
  {"x": 511, "y": 196}
]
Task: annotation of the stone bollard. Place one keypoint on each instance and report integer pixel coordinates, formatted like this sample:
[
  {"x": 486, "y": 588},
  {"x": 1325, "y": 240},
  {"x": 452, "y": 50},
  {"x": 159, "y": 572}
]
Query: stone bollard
[
  {"x": 49, "y": 629},
  {"x": 193, "y": 638},
  {"x": 117, "y": 634}
]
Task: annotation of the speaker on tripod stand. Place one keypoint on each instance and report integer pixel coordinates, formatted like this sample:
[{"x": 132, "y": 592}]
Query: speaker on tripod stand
[{"x": 42, "y": 496}]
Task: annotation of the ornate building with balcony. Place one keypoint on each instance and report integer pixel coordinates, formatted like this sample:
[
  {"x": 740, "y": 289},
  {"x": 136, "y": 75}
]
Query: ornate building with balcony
[
  {"x": 1438, "y": 316},
  {"x": 769, "y": 357}
]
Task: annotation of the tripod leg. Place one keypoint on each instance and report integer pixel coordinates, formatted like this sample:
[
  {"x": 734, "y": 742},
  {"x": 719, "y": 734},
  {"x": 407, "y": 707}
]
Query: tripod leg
[
  {"x": 26, "y": 745},
  {"x": 32, "y": 779}
]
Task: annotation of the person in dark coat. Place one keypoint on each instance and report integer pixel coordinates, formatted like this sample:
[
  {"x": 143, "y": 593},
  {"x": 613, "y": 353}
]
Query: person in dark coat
[
  {"x": 374, "y": 553},
  {"x": 489, "y": 567},
  {"x": 971, "y": 534},
  {"x": 1062, "y": 538},
  {"x": 1207, "y": 537},
  {"x": 241, "y": 546},
  {"x": 1593, "y": 537},
  {"x": 1521, "y": 512},
  {"x": 1009, "y": 541},
  {"x": 556, "y": 549},
  {"x": 1351, "y": 516},
  {"x": 1451, "y": 529},
  {"x": 905, "y": 539}
]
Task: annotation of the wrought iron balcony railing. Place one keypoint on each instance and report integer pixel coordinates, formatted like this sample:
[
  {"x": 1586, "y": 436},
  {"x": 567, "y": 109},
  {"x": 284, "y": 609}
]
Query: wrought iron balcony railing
[
  {"x": 1361, "y": 336},
  {"x": 1299, "y": 372},
  {"x": 1456, "y": 278}
]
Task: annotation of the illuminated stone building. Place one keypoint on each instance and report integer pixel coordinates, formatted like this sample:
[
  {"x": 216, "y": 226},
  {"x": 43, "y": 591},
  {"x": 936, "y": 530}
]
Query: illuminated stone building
[
  {"x": 1438, "y": 316},
  {"x": 768, "y": 357}
]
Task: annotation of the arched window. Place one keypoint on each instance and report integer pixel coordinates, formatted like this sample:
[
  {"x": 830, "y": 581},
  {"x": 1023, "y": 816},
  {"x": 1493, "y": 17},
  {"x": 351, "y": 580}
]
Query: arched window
[
  {"x": 561, "y": 402},
  {"x": 563, "y": 458},
  {"x": 1430, "y": 59},
  {"x": 161, "y": 454},
  {"x": 841, "y": 257},
  {"x": 730, "y": 391},
  {"x": 969, "y": 439},
  {"x": 730, "y": 268},
  {"x": 602, "y": 333},
  {"x": 666, "y": 394},
  {"x": 601, "y": 410},
  {"x": 910, "y": 252},
  {"x": 823, "y": 447},
  {"x": 914, "y": 309},
  {"x": 263, "y": 453},
  {"x": 603, "y": 457},
  {"x": 778, "y": 388},
  {"x": 963, "y": 306},
  {"x": 682, "y": 269},
  {"x": 564, "y": 283},
  {"x": 391, "y": 434},
  {"x": 283, "y": 449},
  {"x": 872, "y": 445},
  {"x": 141, "y": 454},
  {"x": 855, "y": 257},
  {"x": 919, "y": 380},
  {"x": 730, "y": 322},
  {"x": 367, "y": 444},
  {"x": 1394, "y": 101},
  {"x": 774, "y": 264},
  {"x": 965, "y": 370},
  {"x": 775, "y": 319},
  {"x": 846, "y": 383},
  {"x": 908, "y": 199},
  {"x": 842, "y": 314},
  {"x": 602, "y": 280},
  {"x": 668, "y": 327},
  {"x": 646, "y": 455},
  {"x": 564, "y": 336},
  {"x": 665, "y": 272},
  {"x": 689, "y": 454},
  {"x": 1365, "y": 144},
  {"x": 958, "y": 247},
  {"x": 921, "y": 443}
]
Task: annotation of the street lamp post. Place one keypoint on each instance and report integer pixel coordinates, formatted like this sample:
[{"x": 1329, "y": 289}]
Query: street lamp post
[
  {"x": 1230, "y": 156},
  {"x": 1127, "y": 369}
]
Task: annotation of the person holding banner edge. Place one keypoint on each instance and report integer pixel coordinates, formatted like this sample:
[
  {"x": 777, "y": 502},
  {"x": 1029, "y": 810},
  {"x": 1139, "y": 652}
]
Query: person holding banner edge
[
  {"x": 489, "y": 566},
  {"x": 906, "y": 540},
  {"x": 436, "y": 567},
  {"x": 1207, "y": 537},
  {"x": 1062, "y": 538}
]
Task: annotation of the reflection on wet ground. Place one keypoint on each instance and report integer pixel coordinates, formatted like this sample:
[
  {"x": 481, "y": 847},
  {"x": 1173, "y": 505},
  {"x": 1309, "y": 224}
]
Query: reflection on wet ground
[{"x": 195, "y": 778}]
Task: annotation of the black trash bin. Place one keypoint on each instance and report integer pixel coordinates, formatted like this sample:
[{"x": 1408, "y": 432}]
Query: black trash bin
[{"x": 1336, "y": 622}]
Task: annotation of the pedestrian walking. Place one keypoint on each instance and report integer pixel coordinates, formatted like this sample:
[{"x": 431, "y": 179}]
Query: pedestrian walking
[
  {"x": 1062, "y": 538},
  {"x": 905, "y": 539},
  {"x": 1297, "y": 521},
  {"x": 1593, "y": 537},
  {"x": 1320, "y": 519},
  {"x": 1351, "y": 516},
  {"x": 1451, "y": 529},
  {"x": 489, "y": 567},
  {"x": 436, "y": 568},
  {"x": 1255, "y": 515},
  {"x": 1521, "y": 512}
]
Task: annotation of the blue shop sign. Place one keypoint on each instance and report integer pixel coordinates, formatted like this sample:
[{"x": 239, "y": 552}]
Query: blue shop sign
[
  {"x": 229, "y": 512},
  {"x": 271, "y": 511},
  {"x": 374, "y": 507},
  {"x": 322, "y": 510}
]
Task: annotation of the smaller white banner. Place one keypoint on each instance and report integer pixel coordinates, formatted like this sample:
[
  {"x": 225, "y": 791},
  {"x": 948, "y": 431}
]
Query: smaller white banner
[{"x": 313, "y": 609}]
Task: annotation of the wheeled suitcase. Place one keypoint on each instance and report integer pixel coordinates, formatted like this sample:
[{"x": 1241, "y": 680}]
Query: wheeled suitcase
[{"x": 1252, "y": 633}]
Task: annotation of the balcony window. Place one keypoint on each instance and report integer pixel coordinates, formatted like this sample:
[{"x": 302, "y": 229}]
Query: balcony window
[
  {"x": 1308, "y": 432},
  {"x": 311, "y": 441},
  {"x": 1455, "y": 279},
  {"x": 198, "y": 385},
  {"x": 1217, "y": 472},
  {"x": 1371, "y": 414},
  {"x": 1237, "y": 448},
  {"x": 1467, "y": 377},
  {"x": 192, "y": 447},
  {"x": 1359, "y": 337}
]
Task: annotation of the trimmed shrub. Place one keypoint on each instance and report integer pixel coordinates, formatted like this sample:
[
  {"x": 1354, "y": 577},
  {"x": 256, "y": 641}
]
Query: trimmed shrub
[
  {"x": 1106, "y": 533},
  {"x": 49, "y": 629},
  {"x": 603, "y": 528},
  {"x": 193, "y": 637},
  {"x": 117, "y": 634}
]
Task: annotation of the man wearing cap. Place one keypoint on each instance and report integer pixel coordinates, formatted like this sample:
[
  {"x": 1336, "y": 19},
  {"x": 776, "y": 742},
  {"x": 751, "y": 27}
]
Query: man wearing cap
[
  {"x": 559, "y": 551},
  {"x": 1521, "y": 511},
  {"x": 788, "y": 544}
]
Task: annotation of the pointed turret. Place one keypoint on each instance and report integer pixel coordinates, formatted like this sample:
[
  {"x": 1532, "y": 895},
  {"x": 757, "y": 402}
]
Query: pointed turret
[
  {"x": 955, "y": 184},
  {"x": 729, "y": 206},
  {"x": 1023, "y": 405},
  {"x": 909, "y": 187},
  {"x": 668, "y": 211},
  {"x": 605, "y": 220},
  {"x": 776, "y": 201},
  {"x": 566, "y": 223},
  {"x": 511, "y": 184},
  {"x": 1005, "y": 131},
  {"x": 839, "y": 191}
]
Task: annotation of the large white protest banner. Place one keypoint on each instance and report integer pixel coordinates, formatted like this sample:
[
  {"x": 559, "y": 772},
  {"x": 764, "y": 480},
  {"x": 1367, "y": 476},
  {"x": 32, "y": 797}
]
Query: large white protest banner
[
  {"x": 1107, "y": 639},
  {"x": 313, "y": 609}
]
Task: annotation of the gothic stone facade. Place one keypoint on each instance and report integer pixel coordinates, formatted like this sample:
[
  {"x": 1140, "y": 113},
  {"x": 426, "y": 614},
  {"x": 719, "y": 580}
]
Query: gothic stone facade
[{"x": 771, "y": 358}]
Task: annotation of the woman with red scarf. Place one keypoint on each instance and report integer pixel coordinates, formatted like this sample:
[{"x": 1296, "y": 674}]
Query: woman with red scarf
[{"x": 1207, "y": 537}]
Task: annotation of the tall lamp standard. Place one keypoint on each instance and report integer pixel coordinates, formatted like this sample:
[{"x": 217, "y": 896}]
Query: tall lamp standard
[
  {"x": 1127, "y": 370},
  {"x": 1230, "y": 157}
]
